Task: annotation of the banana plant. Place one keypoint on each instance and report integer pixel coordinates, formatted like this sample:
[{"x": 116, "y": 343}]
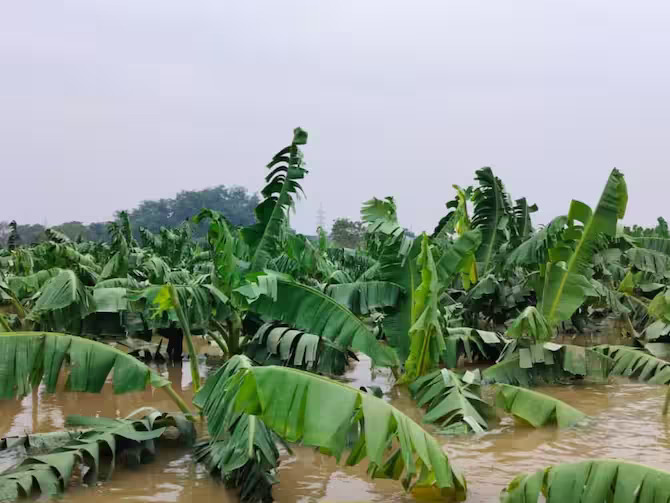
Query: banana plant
[{"x": 566, "y": 285}]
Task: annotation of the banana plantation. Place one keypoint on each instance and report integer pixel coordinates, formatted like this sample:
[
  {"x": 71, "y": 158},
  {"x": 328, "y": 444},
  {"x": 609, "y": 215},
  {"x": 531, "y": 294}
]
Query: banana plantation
[{"x": 474, "y": 322}]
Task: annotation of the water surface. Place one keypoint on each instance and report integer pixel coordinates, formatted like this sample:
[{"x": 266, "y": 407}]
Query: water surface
[{"x": 625, "y": 422}]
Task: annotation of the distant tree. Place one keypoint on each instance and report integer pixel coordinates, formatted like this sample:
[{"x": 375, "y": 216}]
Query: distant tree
[
  {"x": 74, "y": 230},
  {"x": 347, "y": 233},
  {"x": 236, "y": 204}
]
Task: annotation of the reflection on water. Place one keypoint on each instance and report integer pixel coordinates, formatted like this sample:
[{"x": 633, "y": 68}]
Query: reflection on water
[{"x": 625, "y": 422}]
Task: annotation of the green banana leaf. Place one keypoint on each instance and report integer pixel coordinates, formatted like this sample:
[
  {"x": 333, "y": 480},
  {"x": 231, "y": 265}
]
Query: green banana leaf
[
  {"x": 492, "y": 212},
  {"x": 472, "y": 343},
  {"x": 651, "y": 261},
  {"x": 459, "y": 257},
  {"x": 523, "y": 226},
  {"x": 324, "y": 413},
  {"x": 548, "y": 363},
  {"x": 98, "y": 447},
  {"x": 535, "y": 408},
  {"x": 313, "y": 311},
  {"x": 653, "y": 243},
  {"x": 286, "y": 168},
  {"x": 591, "y": 481},
  {"x": 453, "y": 401},
  {"x": 631, "y": 362},
  {"x": 397, "y": 265},
  {"x": 366, "y": 296},
  {"x": 565, "y": 286},
  {"x": 279, "y": 344},
  {"x": 28, "y": 358},
  {"x": 530, "y": 323},
  {"x": 63, "y": 301},
  {"x": 241, "y": 449},
  {"x": 426, "y": 338},
  {"x": 535, "y": 249}
]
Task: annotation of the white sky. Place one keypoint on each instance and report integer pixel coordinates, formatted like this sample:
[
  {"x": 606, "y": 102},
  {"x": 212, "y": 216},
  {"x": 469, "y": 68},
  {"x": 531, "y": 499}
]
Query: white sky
[{"x": 106, "y": 103}]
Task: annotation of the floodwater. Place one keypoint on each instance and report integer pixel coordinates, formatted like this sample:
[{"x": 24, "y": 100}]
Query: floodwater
[{"x": 625, "y": 423}]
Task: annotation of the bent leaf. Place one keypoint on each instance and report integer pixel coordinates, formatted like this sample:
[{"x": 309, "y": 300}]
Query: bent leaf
[
  {"x": 452, "y": 400},
  {"x": 28, "y": 358},
  {"x": 315, "y": 411},
  {"x": 315, "y": 312},
  {"x": 591, "y": 481},
  {"x": 536, "y": 408}
]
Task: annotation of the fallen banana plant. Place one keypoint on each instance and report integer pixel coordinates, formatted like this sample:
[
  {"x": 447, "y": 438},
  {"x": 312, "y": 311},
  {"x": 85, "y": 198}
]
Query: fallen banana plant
[
  {"x": 99, "y": 447},
  {"x": 316, "y": 411}
]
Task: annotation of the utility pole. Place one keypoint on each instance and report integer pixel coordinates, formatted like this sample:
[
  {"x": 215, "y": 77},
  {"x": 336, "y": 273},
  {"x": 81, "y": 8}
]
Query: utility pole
[{"x": 320, "y": 218}]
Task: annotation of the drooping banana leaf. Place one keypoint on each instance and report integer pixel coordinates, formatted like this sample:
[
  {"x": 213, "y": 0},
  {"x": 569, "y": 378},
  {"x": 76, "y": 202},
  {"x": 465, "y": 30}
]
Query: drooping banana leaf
[
  {"x": 222, "y": 249},
  {"x": 548, "y": 363},
  {"x": 453, "y": 401},
  {"x": 530, "y": 323},
  {"x": 397, "y": 265},
  {"x": 241, "y": 449},
  {"x": 653, "y": 243},
  {"x": 365, "y": 296},
  {"x": 63, "y": 301},
  {"x": 460, "y": 258},
  {"x": 310, "y": 310},
  {"x": 381, "y": 217},
  {"x": 536, "y": 408},
  {"x": 523, "y": 226},
  {"x": 25, "y": 286},
  {"x": 535, "y": 249},
  {"x": 279, "y": 344},
  {"x": 492, "y": 212},
  {"x": 566, "y": 287},
  {"x": 99, "y": 447},
  {"x": 28, "y": 358},
  {"x": 631, "y": 362},
  {"x": 591, "y": 481},
  {"x": 426, "y": 339},
  {"x": 286, "y": 168},
  {"x": 651, "y": 261},
  {"x": 471, "y": 343},
  {"x": 324, "y": 413}
]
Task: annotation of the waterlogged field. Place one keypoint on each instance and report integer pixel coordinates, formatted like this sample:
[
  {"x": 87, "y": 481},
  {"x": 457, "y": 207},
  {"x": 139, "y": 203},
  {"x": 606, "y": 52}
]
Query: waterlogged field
[
  {"x": 624, "y": 422},
  {"x": 471, "y": 384}
]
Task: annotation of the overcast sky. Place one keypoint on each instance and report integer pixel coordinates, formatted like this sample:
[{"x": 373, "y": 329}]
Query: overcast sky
[{"x": 106, "y": 103}]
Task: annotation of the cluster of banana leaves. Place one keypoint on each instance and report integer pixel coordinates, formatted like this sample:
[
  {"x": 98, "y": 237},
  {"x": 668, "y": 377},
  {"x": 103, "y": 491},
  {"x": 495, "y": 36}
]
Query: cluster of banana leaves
[{"x": 290, "y": 314}]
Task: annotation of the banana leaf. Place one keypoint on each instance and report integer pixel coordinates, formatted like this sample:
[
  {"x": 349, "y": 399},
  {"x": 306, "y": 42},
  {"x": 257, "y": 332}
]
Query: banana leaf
[
  {"x": 453, "y": 401},
  {"x": 565, "y": 286},
  {"x": 591, "y": 481},
  {"x": 99, "y": 446},
  {"x": 315, "y": 411},
  {"x": 426, "y": 338},
  {"x": 314, "y": 312},
  {"x": 535, "y": 408},
  {"x": 549, "y": 363},
  {"x": 631, "y": 362},
  {"x": 241, "y": 449},
  {"x": 286, "y": 168},
  {"x": 365, "y": 296},
  {"x": 279, "y": 344},
  {"x": 28, "y": 358}
]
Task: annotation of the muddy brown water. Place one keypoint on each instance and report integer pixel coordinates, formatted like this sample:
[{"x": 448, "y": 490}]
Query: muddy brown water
[{"x": 625, "y": 423}]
